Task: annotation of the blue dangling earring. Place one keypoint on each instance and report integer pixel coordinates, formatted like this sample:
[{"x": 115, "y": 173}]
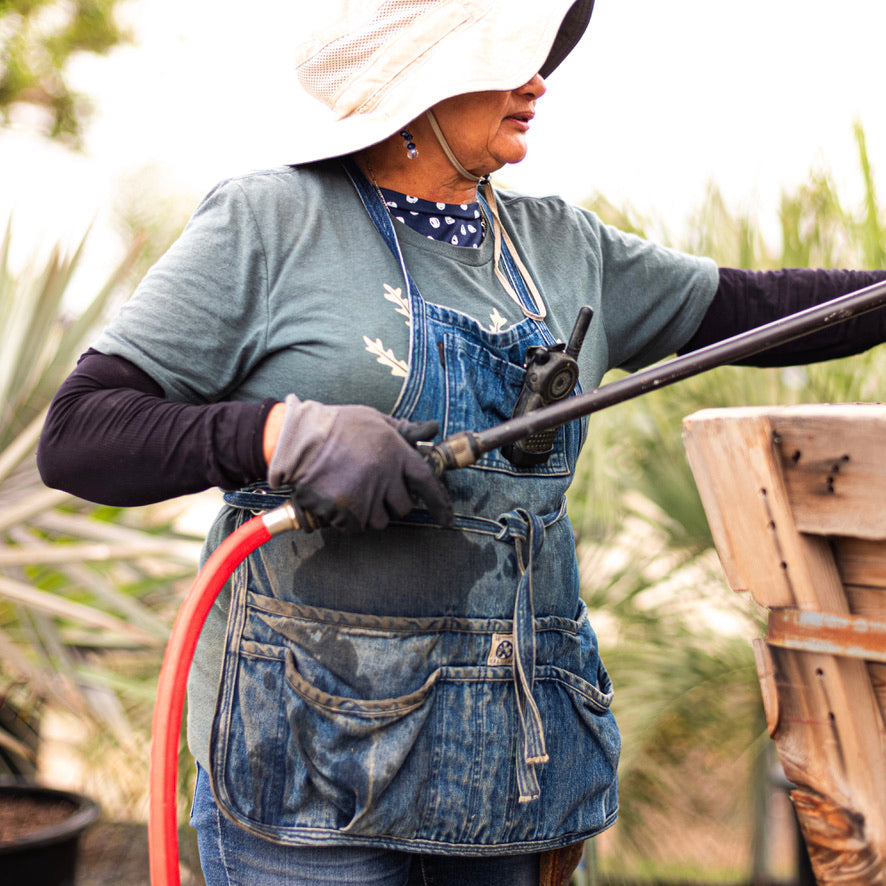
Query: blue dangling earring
[{"x": 411, "y": 149}]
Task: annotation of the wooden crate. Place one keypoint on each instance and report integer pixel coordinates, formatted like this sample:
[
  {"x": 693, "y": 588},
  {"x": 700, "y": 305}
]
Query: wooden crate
[{"x": 796, "y": 501}]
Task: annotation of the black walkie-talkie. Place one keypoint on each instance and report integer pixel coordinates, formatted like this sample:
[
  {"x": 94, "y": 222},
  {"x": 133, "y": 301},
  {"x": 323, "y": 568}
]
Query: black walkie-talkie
[{"x": 551, "y": 375}]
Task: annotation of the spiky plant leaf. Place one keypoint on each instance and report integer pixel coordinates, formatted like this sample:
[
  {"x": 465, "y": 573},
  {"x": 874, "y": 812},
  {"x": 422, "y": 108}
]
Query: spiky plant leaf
[{"x": 86, "y": 593}]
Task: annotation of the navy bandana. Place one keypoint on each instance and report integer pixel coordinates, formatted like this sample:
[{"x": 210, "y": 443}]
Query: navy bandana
[{"x": 456, "y": 223}]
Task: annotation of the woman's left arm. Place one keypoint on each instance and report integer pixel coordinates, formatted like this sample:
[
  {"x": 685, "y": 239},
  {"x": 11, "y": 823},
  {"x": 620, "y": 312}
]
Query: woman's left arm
[{"x": 748, "y": 299}]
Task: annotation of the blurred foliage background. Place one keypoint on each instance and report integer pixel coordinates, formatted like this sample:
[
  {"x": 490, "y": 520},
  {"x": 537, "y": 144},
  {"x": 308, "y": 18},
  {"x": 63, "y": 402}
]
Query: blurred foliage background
[
  {"x": 38, "y": 39},
  {"x": 697, "y": 780}
]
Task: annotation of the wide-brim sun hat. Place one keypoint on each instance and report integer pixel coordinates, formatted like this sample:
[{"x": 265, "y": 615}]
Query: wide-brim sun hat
[{"x": 376, "y": 65}]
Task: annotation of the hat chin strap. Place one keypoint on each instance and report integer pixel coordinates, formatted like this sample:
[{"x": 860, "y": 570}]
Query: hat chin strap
[
  {"x": 498, "y": 232},
  {"x": 448, "y": 151}
]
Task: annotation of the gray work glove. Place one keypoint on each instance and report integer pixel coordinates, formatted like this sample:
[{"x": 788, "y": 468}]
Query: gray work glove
[{"x": 354, "y": 467}]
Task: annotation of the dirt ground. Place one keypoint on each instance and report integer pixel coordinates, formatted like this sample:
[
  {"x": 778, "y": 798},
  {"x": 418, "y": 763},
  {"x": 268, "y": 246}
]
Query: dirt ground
[{"x": 116, "y": 854}]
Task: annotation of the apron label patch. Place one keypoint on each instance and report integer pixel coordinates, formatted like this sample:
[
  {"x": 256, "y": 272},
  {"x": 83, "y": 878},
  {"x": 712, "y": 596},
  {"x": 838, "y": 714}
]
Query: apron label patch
[{"x": 501, "y": 652}]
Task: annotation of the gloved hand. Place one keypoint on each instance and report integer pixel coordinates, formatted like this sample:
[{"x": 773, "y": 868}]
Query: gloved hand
[{"x": 353, "y": 466}]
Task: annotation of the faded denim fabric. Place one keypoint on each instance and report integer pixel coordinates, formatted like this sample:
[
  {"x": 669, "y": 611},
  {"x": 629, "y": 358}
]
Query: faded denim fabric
[
  {"x": 424, "y": 689},
  {"x": 231, "y": 856}
]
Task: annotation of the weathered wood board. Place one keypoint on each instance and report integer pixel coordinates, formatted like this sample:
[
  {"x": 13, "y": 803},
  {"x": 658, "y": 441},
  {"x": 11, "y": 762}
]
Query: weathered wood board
[{"x": 796, "y": 501}]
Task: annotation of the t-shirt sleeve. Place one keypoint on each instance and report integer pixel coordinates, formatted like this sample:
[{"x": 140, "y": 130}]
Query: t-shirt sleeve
[
  {"x": 198, "y": 322},
  {"x": 653, "y": 298}
]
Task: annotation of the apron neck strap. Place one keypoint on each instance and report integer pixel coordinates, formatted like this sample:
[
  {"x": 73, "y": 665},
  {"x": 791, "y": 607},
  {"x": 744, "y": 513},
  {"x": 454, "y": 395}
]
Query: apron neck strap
[{"x": 509, "y": 268}]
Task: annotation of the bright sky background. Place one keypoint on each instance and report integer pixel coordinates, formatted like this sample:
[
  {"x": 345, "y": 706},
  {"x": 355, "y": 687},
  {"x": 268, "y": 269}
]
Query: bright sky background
[{"x": 659, "y": 98}]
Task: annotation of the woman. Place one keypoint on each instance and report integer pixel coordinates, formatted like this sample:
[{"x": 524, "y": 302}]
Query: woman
[{"x": 412, "y": 694}]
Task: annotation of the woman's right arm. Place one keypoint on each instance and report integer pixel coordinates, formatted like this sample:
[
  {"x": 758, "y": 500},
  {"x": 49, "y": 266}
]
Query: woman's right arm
[{"x": 112, "y": 437}]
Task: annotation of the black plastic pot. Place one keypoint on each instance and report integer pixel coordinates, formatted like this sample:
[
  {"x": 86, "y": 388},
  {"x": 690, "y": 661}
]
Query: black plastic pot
[{"x": 45, "y": 852}]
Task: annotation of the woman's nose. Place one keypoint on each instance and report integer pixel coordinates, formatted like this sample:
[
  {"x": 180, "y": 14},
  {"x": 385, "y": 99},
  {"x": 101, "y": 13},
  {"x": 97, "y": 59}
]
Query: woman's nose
[{"x": 536, "y": 87}]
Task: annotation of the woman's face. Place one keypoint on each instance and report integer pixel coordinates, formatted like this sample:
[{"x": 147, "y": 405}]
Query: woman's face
[{"x": 486, "y": 130}]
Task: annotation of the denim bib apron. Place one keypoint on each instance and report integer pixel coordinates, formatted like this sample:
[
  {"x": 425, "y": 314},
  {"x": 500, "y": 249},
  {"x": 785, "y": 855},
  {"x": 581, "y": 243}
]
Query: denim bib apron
[{"x": 421, "y": 688}]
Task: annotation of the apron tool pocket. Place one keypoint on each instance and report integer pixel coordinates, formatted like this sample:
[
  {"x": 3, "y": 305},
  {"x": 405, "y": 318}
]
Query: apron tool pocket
[
  {"x": 319, "y": 717},
  {"x": 482, "y": 390},
  {"x": 348, "y": 750},
  {"x": 587, "y": 737}
]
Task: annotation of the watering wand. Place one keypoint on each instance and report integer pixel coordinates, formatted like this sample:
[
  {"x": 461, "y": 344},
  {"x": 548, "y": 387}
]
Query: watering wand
[
  {"x": 459, "y": 450},
  {"x": 466, "y": 447}
]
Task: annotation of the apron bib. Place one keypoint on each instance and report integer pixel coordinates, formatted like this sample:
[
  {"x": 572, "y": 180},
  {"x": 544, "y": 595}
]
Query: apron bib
[{"x": 424, "y": 688}]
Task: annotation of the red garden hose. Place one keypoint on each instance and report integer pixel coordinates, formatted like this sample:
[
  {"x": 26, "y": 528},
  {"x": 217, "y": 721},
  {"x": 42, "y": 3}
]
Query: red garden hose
[{"x": 169, "y": 704}]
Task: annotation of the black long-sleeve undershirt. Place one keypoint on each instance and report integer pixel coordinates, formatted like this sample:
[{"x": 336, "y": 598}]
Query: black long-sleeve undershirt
[
  {"x": 748, "y": 299},
  {"x": 111, "y": 436}
]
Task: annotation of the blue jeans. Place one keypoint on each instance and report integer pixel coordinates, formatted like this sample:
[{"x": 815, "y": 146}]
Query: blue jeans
[{"x": 231, "y": 856}]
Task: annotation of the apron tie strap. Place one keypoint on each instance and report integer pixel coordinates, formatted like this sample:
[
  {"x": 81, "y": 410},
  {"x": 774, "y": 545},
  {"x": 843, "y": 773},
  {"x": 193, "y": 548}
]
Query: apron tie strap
[{"x": 528, "y": 532}]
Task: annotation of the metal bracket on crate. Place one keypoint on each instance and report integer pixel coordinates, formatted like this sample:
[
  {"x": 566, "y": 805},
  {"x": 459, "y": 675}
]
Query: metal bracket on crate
[{"x": 849, "y": 636}]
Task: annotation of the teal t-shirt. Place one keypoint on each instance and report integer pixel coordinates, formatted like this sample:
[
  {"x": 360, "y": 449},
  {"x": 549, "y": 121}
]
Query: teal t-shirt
[{"x": 280, "y": 284}]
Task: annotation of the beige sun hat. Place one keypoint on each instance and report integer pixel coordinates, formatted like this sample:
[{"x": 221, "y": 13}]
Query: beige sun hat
[{"x": 377, "y": 64}]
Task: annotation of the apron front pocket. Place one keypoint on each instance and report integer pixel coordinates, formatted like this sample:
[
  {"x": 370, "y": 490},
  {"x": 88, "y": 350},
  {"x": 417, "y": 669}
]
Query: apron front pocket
[
  {"x": 586, "y": 742},
  {"x": 315, "y": 723},
  {"x": 349, "y": 750}
]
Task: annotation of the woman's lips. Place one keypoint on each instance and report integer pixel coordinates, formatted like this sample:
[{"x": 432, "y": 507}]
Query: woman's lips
[{"x": 521, "y": 120}]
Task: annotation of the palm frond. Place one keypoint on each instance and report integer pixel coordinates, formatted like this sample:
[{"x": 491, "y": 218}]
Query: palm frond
[{"x": 85, "y": 600}]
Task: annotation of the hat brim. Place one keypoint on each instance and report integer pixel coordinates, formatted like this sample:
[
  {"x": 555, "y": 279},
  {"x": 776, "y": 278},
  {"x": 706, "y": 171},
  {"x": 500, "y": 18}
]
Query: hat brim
[
  {"x": 570, "y": 32},
  {"x": 479, "y": 64}
]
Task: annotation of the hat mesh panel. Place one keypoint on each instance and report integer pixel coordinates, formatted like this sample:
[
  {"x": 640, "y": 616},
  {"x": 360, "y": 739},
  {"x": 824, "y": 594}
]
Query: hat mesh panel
[{"x": 335, "y": 64}]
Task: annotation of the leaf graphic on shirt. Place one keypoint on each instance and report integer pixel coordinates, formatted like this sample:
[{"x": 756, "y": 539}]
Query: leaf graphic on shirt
[
  {"x": 396, "y": 296},
  {"x": 386, "y": 357},
  {"x": 498, "y": 322}
]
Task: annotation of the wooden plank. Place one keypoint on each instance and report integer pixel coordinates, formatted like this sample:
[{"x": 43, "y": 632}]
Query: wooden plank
[
  {"x": 739, "y": 478},
  {"x": 818, "y": 586},
  {"x": 768, "y": 685},
  {"x": 866, "y": 601},
  {"x": 839, "y": 809},
  {"x": 824, "y": 711},
  {"x": 808, "y": 745},
  {"x": 877, "y": 674},
  {"x": 862, "y": 563},
  {"x": 832, "y": 460},
  {"x": 832, "y": 457},
  {"x": 737, "y": 504},
  {"x": 840, "y": 848}
]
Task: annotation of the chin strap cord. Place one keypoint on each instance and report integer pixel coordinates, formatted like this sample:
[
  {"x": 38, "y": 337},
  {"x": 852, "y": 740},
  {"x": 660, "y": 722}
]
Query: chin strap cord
[
  {"x": 498, "y": 231},
  {"x": 448, "y": 151}
]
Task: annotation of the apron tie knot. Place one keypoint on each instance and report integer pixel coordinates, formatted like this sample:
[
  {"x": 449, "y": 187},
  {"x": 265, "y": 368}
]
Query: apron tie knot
[{"x": 528, "y": 532}]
